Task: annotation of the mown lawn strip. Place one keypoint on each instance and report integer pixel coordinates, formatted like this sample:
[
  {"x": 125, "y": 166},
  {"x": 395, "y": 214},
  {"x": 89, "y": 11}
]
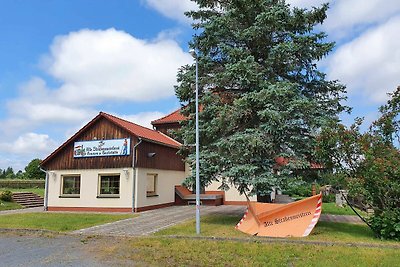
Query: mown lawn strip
[{"x": 62, "y": 222}]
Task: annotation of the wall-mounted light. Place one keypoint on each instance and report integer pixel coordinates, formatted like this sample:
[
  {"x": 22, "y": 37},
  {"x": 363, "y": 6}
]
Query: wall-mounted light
[
  {"x": 126, "y": 172},
  {"x": 151, "y": 154},
  {"x": 53, "y": 174}
]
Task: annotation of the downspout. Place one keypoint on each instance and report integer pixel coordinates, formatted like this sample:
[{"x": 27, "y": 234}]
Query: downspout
[
  {"x": 134, "y": 173},
  {"x": 46, "y": 188}
]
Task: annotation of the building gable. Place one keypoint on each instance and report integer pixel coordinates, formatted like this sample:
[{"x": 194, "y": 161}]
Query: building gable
[
  {"x": 107, "y": 127},
  {"x": 99, "y": 128}
]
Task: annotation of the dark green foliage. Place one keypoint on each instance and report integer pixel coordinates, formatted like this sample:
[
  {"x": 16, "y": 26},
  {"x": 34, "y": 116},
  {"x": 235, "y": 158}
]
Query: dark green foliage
[
  {"x": 6, "y": 195},
  {"x": 387, "y": 224},
  {"x": 262, "y": 94},
  {"x": 7, "y": 173},
  {"x": 388, "y": 125},
  {"x": 336, "y": 180},
  {"x": 328, "y": 198},
  {"x": 32, "y": 170},
  {"x": 303, "y": 190}
]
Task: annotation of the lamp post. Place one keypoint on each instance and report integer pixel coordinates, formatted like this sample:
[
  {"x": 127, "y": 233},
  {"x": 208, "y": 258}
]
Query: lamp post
[{"x": 194, "y": 55}]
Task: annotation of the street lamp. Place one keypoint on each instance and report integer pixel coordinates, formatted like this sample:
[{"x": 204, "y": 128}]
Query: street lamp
[{"x": 194, "y": 55}]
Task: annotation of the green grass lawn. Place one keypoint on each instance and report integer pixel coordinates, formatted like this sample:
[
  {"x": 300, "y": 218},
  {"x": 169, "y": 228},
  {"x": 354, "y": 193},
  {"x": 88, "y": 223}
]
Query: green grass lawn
[
  {"x": 224, "y": 226},
  {"x": 260, "y": 251},
  {"x": 62, "y": 222},
  {"x": 331, "y": 208},
  {"x": 38, "y": 191},
  {"x": 160, "y": 250},
  {"x": 164, "y": 251},
  {"x": 9, "y": 205}
]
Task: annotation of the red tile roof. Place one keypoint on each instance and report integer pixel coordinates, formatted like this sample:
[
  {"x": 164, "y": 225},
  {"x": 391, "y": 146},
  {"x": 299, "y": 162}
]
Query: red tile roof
[
  {"x": 175, "y": 116},
  {"x": 143, "y": 132}
]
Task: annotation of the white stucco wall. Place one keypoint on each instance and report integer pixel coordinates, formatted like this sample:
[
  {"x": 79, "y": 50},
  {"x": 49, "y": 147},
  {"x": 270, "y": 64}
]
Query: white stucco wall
[
  {"x": 88, "y": 198},
  {"x": 165, "y": 186},
  {"x": 231, "y": 195},
  {"x": 89, "y": 189}
]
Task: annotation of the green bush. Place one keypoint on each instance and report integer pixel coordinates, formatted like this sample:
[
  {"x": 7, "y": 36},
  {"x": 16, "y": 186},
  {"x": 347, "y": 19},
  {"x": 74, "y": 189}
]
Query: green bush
[
  {"x": 328, "y": 198},
  {"x": 387, "y": 224},
  {"x": 304, "y": 190},
  {"x": 6, "y": 196}
]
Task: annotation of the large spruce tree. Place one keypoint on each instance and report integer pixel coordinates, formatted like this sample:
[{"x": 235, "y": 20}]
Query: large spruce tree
[{"x": 262, "y": 95}]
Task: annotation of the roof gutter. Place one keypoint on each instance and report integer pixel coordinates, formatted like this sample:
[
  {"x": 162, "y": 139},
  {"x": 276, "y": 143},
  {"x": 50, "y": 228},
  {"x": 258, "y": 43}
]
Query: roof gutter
[
  {"x": 134, "y": 173},
  {"x": 46, "y": 189}
]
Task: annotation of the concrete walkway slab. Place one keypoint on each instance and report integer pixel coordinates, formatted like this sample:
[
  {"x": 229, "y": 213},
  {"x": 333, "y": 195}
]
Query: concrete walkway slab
[
  {"x": 27, "y": 210},
  {"x": 149, "y": 222},
  {"x": 341, "y": 218}
]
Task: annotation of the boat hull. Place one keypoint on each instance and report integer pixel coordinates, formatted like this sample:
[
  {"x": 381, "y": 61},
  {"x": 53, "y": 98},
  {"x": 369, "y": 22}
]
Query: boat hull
[{"x": 296, "y": 219}]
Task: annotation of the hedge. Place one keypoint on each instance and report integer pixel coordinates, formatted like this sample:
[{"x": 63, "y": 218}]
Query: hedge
[{"x": 21, "y": 184}]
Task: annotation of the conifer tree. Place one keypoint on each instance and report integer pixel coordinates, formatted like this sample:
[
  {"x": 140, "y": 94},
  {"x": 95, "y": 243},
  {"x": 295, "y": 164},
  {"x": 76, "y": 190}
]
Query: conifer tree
[{"x": 262, "y": 94}]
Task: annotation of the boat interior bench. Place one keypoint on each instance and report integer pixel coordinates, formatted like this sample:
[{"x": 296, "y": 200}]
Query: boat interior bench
[{"x": 184, "y": 196}]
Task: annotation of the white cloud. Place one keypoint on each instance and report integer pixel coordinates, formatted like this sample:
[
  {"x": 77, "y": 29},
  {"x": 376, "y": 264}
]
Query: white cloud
[
  {"x": 97, "y": 66},
  {"x": 369, "y": 64},
  {"x": 20, "y": 151},
  {"x": 346, "y": 16},
  {"x": 29, "y": 144},
  {"x": 306, "y": 3},
  {"x": 37, "y": 103},
  {"x": 173, "y": 9},
  {"x": 143, "y": 118},
  {"x": 94, "y": 67}
]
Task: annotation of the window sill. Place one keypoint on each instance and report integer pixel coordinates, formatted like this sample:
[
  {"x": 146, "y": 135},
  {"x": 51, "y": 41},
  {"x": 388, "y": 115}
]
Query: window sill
[
  {"x": 108, "y": 196},
  {"x": 69, "y": 196},
  {"x": 151, "y": 195}
]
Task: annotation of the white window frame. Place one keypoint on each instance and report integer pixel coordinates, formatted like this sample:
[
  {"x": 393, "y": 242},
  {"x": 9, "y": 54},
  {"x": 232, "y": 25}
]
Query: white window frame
[
  {"x": 155, "y": 183},
  {"x": 103, "y": 195},
  {"x": 66, "y": 195}
]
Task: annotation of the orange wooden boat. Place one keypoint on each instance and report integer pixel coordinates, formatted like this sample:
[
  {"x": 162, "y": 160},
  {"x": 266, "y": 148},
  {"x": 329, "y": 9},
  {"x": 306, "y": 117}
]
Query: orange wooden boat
[{"x": 295, "y": 219}]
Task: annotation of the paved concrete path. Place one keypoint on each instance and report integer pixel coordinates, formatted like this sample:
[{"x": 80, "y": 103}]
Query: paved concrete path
[
  {"x": 49, "y": 251},
  {"x": 149, "y": 222},
  {"x": 154, "y": 220},
  {"x": 341, "y": 218}
]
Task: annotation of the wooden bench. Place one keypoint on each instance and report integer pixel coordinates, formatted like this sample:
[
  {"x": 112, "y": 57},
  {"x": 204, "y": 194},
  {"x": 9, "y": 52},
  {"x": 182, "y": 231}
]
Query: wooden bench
[{"x": 184, "y": 196}]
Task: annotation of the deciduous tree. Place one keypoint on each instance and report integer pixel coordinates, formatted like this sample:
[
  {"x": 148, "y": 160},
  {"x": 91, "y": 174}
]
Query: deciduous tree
[
  {"x": 370, "y": 163},
  {"x": 32, "y": 170}
]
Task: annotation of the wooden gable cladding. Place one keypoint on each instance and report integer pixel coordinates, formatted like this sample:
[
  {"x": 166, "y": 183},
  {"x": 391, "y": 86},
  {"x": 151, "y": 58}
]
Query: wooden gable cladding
[
  {"x": 100, "y": 129},
  {"x": 164, "y": 128},
  {"x": 165, "y": 158}
]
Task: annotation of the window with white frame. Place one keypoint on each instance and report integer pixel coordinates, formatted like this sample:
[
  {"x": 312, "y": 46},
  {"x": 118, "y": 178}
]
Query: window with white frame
[
  {"x": 109, "y": 184},
  {"x": 151, "y": 186},
  {"x": 70, "y": 185}
]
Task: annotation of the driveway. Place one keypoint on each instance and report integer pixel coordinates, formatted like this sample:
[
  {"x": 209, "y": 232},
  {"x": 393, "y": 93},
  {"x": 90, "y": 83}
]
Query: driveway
[
  {"x": 154, "y": 220},
  {"x": 34, "y": 250}
]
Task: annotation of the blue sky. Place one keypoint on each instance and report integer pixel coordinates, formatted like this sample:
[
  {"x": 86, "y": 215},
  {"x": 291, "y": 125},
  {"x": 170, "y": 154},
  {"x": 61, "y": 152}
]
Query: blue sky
[{"x": 63, "y": 61}]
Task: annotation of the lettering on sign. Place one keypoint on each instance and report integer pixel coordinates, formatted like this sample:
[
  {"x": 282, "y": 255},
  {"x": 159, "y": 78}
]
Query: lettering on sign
[
  {"x": 286, "y": 219},
  {"x": 102, "y": 148}
]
